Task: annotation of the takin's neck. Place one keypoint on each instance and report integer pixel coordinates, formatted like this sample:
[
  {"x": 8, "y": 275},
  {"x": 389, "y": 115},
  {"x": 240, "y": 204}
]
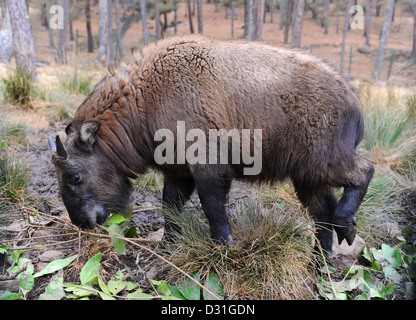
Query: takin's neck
[{"x": 114, "y": 104}]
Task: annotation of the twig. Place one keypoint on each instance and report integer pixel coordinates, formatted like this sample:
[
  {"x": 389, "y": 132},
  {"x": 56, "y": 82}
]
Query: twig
[
  {"x": 146, "y": 209},
  {"x": 13, "y": 275},
  {"x": 40, "y": 237},
  {"x": 43, "y": 245},
  {"x": 168, "y": 262}
]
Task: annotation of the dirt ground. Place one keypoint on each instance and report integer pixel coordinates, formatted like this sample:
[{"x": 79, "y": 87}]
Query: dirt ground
[{"x": 147, "y": 217}]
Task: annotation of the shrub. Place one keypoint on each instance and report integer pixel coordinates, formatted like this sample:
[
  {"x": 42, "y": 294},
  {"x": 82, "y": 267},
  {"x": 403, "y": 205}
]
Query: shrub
[
  {"x": 389, "y": 134},
  {"x": 14, "y": 174},
  {"x": 268, "y": 260},
  {"x": 77, "y": 82},
  {"x": 18, "y": 88}
]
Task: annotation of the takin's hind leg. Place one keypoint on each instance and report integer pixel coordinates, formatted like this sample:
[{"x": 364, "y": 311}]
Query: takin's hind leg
[
  {"x": 355, "y": 186},
  {"x": 321, "y": 204}
]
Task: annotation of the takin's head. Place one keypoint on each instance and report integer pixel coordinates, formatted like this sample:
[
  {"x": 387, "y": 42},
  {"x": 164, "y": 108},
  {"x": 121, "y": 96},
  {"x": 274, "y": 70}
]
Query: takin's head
[{"x": 91, "y": 186}]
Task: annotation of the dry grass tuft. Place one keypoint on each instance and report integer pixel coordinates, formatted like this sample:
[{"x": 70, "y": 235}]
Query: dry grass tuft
[{"x": 270, "y": 258}]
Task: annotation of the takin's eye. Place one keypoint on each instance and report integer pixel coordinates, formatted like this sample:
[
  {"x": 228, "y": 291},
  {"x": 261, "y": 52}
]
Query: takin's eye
[{"x": 75, "y": 178}]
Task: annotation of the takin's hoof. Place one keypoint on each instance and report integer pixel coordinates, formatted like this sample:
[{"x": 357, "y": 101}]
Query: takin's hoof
[
  {"x": 345, "y": 230},
  {"x": 345, "y": 233}
]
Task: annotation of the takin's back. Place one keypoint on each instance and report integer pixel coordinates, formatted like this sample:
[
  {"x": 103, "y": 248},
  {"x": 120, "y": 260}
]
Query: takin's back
[{"x": 309, "y": 114}]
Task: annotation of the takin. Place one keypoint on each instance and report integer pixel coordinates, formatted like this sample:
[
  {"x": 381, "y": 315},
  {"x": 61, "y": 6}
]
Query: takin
[{"x": 303, "y": 119}]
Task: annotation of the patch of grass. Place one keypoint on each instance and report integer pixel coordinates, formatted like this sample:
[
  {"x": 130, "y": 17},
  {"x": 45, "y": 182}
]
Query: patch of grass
[
  {"x": 389, "y": 133},
  {"x": 151, "y": 180},
  {"x": 381, "y": 210},
  {"x": 77, "y": 82},
  {"x": 269, "y": 258},
  {"x": 14, "y": 174},
  {"x": 18, "y": 88}
]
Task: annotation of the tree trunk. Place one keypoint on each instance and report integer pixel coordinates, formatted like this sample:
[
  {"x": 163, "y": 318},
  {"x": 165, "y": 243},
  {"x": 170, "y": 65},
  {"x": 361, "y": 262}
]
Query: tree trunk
[
  {"x": 413, "y": 56},
  {"x": 288, "y": 19},
  {"x": 259, "y": 6},
  {"x": 70, "y": 18},
  {"x": 102, "y": 31},
  {"x": 199, "y": 12},
  {"x": 326, "y": 22},
  {"x": 157, "y": 20},
  {"x": 344, "y": 37},
  {"x": 384, "y": 36},
  {"x": 378, "y": 8},
  {"x": 110, "y": 43},
  {"x": 24, "y": 49},
  {"x": 297, "y": 24},
  {"x": 282, "y": 9},
  {"x": 249, "y": 20},
  {"x": 368, "y": 22},
  {"x": 118, "y": 22},
  {"x": 90, "y": 40},
  {"x": 63, "y": 33},
  {"x": 50, "y": 30},
  {"x": 232, "y": 18},
  {"x": 144, "y": 22},
  {"x": 191, "y": 25},
  {"x": 175, "y": 16},
  {"x": 337, "y": 15},
  {"x": 6, "y": 38}
]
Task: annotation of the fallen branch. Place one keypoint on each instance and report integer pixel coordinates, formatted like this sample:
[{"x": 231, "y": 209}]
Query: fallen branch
[{"x": 13, "y": 275}]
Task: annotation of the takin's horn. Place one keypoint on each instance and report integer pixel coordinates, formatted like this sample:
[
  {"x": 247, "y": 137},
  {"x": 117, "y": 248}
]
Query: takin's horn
[
  {"x": 60, "y": 149},
  {"x": 52, "y": 145}
]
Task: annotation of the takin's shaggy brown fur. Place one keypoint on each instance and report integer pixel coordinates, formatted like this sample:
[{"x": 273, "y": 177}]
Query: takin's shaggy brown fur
[{"x": 310, "y": 116}]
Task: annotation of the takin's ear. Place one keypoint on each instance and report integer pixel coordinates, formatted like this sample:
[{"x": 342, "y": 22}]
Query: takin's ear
[{"x": 88, "y": 131}]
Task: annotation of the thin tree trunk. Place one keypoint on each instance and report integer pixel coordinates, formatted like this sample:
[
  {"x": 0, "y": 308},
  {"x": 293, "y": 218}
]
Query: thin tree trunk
[
  {"x": 157, "y": 20},
  {"x": 144, "y": 22},
  {"x": 50, "y": 30},
  {"x": 191, "y": 25},
  {"x": 259, "y": 6},
  {"x": 71, "y": 31},
  {"x": 384, "y": 36},
  {"x": 344, "y": 37},
  {"x": 337, "y": 15},
  {"x": 249, "y": 20},
  {"x": 110, "y": 43},
  {"x": 413, "y": 55},
  {"x": 326, "y": 22},
  {"x": 63, "y": 34},
  {"x": 283, "y": 7},
  {"x": 90, "y": 40},
  {"x": 118, "y": 22},
  {"x": 368, "y": 22},
  {"x": 288, "y": 20},
  {"x": 297, "y": 24},
  {"x": 102, "y": 31},
  {"x": 175, "y": 16},
  {"x": 232, "y": 18},
  {"x": 199, "y": 12}
]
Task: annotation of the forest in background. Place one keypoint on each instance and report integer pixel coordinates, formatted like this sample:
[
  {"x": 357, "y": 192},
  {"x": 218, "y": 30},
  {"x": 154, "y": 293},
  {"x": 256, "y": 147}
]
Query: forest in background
[{"x": 107, "y": 30}]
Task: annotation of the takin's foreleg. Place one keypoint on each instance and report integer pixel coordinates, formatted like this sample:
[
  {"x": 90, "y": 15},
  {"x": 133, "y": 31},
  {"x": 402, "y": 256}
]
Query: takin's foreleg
[
  {"x": 176, "y": 191},
  {"x": 355, "y": 185},
  {"x": 321, "y": 203}
]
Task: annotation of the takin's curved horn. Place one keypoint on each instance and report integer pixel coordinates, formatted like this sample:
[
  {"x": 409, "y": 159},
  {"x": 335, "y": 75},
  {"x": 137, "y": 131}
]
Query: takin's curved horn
[
  {"x": 52, "y": 145},
  {"x": 60, "y": 148}
]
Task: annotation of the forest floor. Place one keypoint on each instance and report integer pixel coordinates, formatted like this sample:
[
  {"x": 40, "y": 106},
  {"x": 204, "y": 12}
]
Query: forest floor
[{"x": 54, "y": 107}]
